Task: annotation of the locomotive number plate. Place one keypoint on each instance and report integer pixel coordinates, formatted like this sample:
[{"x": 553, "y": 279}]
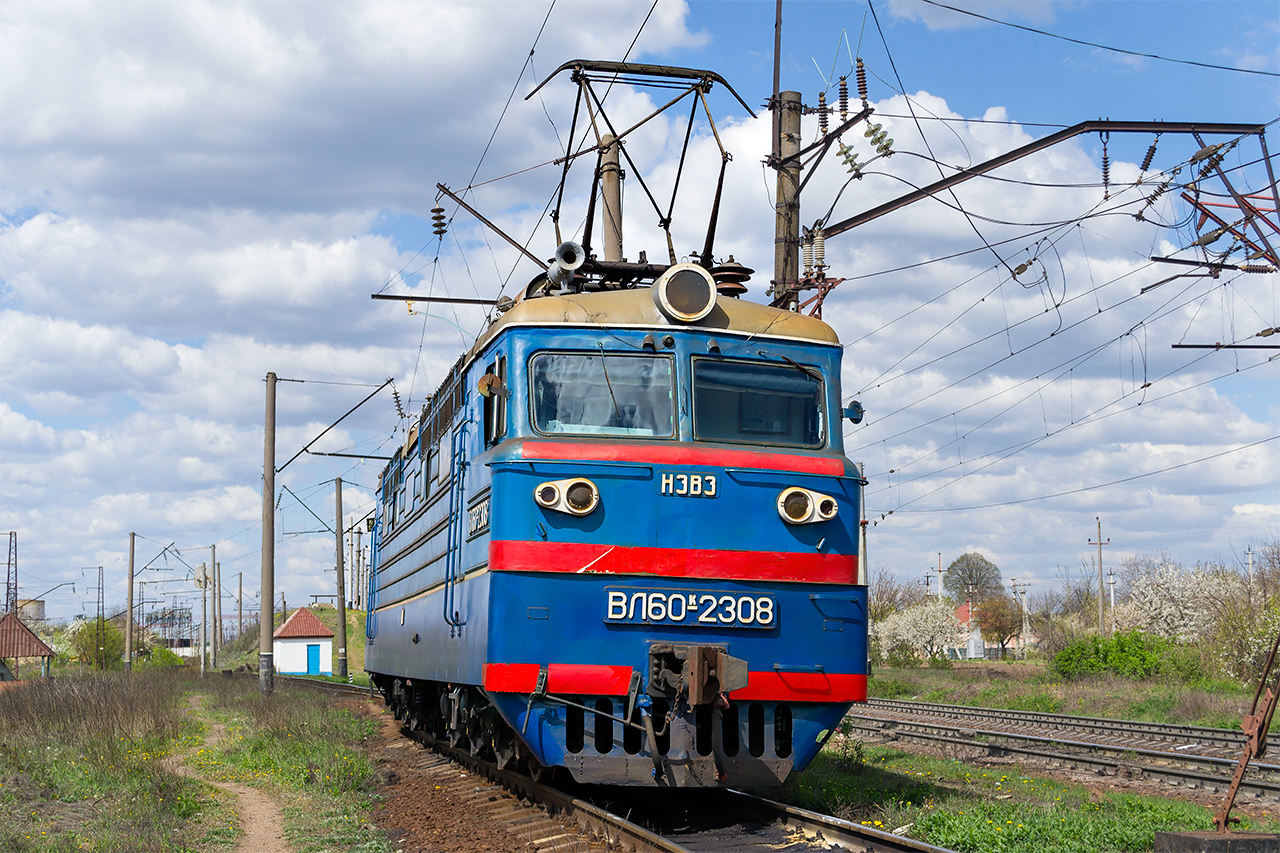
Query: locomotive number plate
[
  {"x": 688, "y": 485},
  {"x": 692, "y": 607}
]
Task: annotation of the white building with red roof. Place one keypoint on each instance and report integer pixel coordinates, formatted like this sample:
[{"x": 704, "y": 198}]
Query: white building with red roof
[{"x": 303, "y": 645}]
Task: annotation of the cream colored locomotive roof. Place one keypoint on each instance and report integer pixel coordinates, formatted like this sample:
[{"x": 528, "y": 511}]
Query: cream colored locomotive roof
[{"x": 635, "y": 309}]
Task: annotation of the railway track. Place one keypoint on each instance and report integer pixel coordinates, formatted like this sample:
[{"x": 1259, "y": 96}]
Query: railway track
[
  {"x": 1223, "y": 743},
  {"x": 1185, "y": 756},
  {"x": 655, "y": 819}
]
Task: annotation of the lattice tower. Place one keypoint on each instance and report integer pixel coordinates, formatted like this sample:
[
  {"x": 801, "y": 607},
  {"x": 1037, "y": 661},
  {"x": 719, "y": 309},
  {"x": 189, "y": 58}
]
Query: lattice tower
[{"x": 11, "y": 576}]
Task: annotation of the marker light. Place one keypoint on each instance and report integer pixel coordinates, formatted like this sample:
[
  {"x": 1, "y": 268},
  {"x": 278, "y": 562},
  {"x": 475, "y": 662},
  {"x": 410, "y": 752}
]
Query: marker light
[
  {"x": 575, "y": 496},
  {"x": 803, "y": 506}
]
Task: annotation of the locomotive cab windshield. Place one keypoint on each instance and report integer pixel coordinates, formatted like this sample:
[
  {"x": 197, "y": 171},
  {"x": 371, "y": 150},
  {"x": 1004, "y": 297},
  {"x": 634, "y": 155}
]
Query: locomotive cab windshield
[
  {"x": 599, "y": 394},
  {"x": 758, "y": 403}
]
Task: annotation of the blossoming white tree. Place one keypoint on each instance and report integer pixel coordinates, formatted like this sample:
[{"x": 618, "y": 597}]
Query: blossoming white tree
[
  {"x": 1174, "y": 602},
  {"x": 929, "y": 628}
]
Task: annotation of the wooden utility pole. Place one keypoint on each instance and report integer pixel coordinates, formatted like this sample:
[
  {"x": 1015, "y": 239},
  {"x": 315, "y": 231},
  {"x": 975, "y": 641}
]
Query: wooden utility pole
[
  {"x": 1102, "y": 628},
  {"x": 342, "y": 571},
  {"x": 128, "y": 619},
  {"x": 266, "y": 674}
]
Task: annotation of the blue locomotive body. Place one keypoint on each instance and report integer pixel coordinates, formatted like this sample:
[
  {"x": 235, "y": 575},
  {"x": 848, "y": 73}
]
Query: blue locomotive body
[{"x": 626, "y": 544}]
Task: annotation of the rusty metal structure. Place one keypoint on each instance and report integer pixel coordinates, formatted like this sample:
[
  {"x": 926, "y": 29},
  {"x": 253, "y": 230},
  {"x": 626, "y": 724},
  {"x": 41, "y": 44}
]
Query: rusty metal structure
[
  {"x": 11, "y": 576},
  {"x": 1255, "y": 724}
]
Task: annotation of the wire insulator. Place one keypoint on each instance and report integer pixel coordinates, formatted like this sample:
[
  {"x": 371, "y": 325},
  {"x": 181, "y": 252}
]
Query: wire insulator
[
  {"x": 822, "y": 113},
  {"x": 808, "y": 259},
  {"x": 438, "y": 221},
  {"x": 395, "y": 396},
  {"x": 862, "y": 82},
  {"x": 1257, "y": 268},
  {"x": 1106, "y": 169},
  {"x": 1212, "y": 164},
  {"x": 844, "y": 100},
  {"x": 819, "y": 252},
  {"x": 1151, "y": 154}
]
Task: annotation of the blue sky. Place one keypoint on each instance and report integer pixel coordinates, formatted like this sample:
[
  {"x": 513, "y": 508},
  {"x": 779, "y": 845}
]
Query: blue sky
[{"x": 196, "y": 193}]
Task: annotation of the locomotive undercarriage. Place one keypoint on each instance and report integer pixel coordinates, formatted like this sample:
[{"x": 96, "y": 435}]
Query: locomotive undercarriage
[{"x": 723, "y": 743}]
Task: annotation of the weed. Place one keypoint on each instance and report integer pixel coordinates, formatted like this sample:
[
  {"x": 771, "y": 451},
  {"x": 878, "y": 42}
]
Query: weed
[
  {"x": 889, "y": 688},
  {"x": 972, "y": 809},
  {"x": 82, "y": 766}
]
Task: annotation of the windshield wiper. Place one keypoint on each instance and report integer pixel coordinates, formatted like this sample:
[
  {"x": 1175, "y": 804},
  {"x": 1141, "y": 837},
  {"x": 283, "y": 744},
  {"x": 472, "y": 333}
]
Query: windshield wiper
[
  {"x": 616, "y": 410},
  {"x": 808, "y": 371}
]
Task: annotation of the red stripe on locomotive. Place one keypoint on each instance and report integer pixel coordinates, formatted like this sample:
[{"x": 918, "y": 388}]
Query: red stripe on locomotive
[
  {"x": 654, "y": 453},
  {"x": 597, "y": 680},
  {"x": 587, "y": 557}
]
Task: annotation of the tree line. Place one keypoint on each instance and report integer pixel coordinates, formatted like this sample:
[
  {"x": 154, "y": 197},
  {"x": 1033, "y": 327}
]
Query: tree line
[{"x": 1221, "y": 619}]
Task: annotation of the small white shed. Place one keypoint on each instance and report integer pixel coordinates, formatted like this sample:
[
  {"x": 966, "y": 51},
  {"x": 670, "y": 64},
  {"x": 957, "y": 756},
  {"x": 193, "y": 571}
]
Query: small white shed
[{"x": 303, "y": 645}]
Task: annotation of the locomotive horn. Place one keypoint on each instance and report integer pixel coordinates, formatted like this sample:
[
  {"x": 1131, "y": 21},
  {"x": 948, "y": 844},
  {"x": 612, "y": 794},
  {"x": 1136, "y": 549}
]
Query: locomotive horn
[{"x": 569, "y": 256}]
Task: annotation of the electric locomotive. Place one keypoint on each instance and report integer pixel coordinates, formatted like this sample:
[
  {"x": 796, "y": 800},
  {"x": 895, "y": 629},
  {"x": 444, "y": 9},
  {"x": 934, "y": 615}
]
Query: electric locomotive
[{"x": 622, "y": 537}]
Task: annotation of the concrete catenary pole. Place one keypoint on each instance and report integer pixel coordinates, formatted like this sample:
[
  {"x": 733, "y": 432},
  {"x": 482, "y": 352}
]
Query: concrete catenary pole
[
  {"x": 358, "y": 593},
  {"x": 786, "y": 241},
  {"x": 1102, "y": 628},
  {"x": 202, "y": 581},
  {"x": 266, "y": 674},
  {"x": 864, "y": 569},
  {"x": 342, "y": 592},
  {"x": 128, "y": 619},
  {"x": 611, "y": 197},
  {"x": 216, "y": 624},
  {"x": 240, "y": 605}
]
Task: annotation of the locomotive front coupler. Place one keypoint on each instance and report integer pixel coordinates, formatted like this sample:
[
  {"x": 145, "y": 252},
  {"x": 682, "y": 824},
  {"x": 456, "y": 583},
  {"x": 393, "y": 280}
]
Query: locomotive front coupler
[{"x": 701, "y": 675}]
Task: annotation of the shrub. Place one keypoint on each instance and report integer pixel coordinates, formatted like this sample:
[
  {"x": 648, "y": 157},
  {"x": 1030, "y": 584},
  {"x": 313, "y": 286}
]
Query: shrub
[
  {"x": 889, "y": 688},
  {"x": 939, "y": 662},
  {"x": 1134, "y": 654},
  {"x": 902, "y": 656},
  {"x": 162, "y": 658},
  {"x": 1080, "y": 657},
  {"x": 1129, "y": 654}
]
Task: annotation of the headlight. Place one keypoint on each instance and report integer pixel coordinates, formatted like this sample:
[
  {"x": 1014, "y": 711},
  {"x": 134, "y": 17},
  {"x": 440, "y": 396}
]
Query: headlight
[
  {"x": 685, "y": 293},
  {"x": 575, "y": 496},
  {"x": 802, "y": 506}
]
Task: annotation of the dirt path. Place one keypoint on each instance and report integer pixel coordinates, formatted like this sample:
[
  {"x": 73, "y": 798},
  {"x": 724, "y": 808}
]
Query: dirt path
[{"x": 260, "y": 815}]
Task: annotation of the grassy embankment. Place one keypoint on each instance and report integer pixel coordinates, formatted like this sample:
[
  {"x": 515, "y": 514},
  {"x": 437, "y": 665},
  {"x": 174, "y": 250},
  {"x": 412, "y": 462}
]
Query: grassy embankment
[
  {"x": 977, "y": 810},
  {"x": 83, "y": 767},
  {"x": 970, "y": 808},
  {"x": 1029, "y": 686},
  {"x": 91, "y": 764}
]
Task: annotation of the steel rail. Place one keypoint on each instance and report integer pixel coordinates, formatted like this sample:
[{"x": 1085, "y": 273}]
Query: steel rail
[
  {"x": 1176, "y": 768},
  {"x": 1218, "y": 738},
  {"x": 834, "y": 831}
]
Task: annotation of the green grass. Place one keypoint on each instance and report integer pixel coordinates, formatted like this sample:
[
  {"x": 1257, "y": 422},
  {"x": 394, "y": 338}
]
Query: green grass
[
  {"x": 968, "y": 808},
  {"x": 1028, "y": 686},
  {"x": 304, "y": 751},
  {"x": 318, "y": 824},
  {"x": 82, "y": 768}
]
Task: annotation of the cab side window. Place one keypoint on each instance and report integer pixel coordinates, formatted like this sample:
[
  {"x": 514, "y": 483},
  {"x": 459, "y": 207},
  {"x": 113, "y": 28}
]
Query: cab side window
[{"x": 495, "y": 403}]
